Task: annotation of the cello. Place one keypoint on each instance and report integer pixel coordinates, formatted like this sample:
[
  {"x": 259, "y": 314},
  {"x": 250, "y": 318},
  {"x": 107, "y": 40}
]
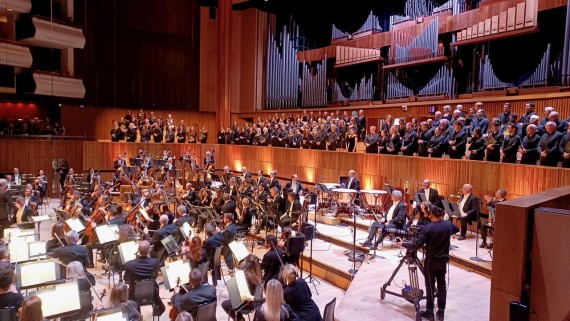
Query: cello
[{"x": 174, "y": 312}]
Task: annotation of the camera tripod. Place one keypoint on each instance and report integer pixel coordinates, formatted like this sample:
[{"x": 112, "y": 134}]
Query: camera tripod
[{"x": 415, "y": 294}]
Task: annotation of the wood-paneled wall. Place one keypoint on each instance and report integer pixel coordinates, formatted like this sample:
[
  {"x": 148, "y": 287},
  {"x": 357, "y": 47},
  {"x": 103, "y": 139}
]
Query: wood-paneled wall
[
  {"x": 96, "y": 121},
  {"x": 492, "y": 105},
  {"x": 32, "y": 155},
  {"x": 208, "y": 61}
]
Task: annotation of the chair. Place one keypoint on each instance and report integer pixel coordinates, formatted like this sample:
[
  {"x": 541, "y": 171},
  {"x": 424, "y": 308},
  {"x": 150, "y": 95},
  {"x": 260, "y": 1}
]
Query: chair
[
  {"x": 328, "y": 314},
  {"x": 8, "y": 314},
  {"x": 145, "y": 291},
  {"x": 218, "y": 264},
  {"x": 206, "y": 312},
  {"x": 204, "y": 269}
]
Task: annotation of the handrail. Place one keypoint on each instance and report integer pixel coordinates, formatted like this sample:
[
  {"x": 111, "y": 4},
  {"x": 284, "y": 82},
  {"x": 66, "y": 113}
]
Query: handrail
[{"x": 48, "y": 137}]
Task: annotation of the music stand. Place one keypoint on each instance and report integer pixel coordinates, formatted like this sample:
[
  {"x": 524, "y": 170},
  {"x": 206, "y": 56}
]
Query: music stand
[
  {"x": 185, "y": 230},
  {"x": 239, "y": 250},
  {"x": 37, "y": 249},
  {"x": 75, "y": 224},
  {"x": 52, "y": 304},
  {"x": 18, "y": 245},
  {"x": 128, "y": 251},
  {"x": 106, "y": 233},
  {"x": 173, "y": 271},
  {"x": 170, "y": 245},
  {"x": 453, "y": 211},
  {"x": 60, "y": 214},
  {"x": 37, "y": 273},
  {"x": 110, "y": 314},
  {"x": 238, "y": 290},
  {"x": 158, "y": 162}
]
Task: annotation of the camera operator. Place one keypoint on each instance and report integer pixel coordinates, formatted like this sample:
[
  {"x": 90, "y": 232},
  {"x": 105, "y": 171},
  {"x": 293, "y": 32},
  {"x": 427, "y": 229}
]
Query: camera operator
[{"x": 436, "y": 236}]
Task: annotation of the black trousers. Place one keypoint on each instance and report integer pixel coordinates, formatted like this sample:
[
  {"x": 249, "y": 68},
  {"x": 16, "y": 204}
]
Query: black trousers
[
  {"x": 4, "y": 224},
  {"x": 466, "y": 220},
  {"x": 287, "y": 221},
  {"x": 90, "y": 247},
  {"x": 435, "y": 270}
]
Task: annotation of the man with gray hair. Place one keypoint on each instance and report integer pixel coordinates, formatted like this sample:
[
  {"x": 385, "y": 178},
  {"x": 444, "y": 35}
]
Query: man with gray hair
[
  {"x": 395, "y": 218},
  {"x": 72, "y": 252},
  {"x": 549, "y": 146},
  {"x": 468, "y": 208},
  {"x": 5, "y": 206},
  {"x": 529, "y": 146}
]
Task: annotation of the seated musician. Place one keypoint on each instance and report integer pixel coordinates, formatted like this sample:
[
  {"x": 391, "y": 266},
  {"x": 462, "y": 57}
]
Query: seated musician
[
  {"x": 29, "y": 197},
  {"x": 272, "y": 260},
  {"x": 72, "y": 252},
  {"x": 273, "y": 181},
  {"x": 298, "y": 295},
  {"x": 353, "y": 182},
  {"x": 229, "y": 205},
  {"x": 500, "y": 196},
  {"x": 260, "y": 179},
  {"x": 260, "y": 194},
  {"x": 394, "y": 218},
  {"x": 213, "y": 240},
  {"x": 245, "y": 189},
  {"x": 183, "y": 217},
  {"x": 294, "y": 186},
  {"x": 119, "y": 298},
  {"x": 292, "y": 213},
  {"x": 245, "y": 215},
  {"x": 244, "y": 173},
  {"x": 289, "y": 256},
  {"x": 57, "y": 237},
  {"x": 252, "y": 273},
  {"x": 468, "y": 208},
  {"x": 276, "y": 208},
  {"x": 9, "y": 295},
  {"x": 24, "y": 214},
  {"x": 226, "y": 175},
  {"x": 126, "y": 234},
  {"x": 198, "y": 294},
  {"x": 228, "y": 235},
  {"x": 195, "y": 253},
  {"x": 158, "y": 251},
  {"x": 143, "y": 267},
  {"x": 5, "y": 258},
  {"x": 232, "y": 187}
]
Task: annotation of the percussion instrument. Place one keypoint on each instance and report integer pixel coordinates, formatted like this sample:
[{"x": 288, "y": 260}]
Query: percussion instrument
[
  {"x": 343, "y": 199},
  {"x": 370, "y": 198}
]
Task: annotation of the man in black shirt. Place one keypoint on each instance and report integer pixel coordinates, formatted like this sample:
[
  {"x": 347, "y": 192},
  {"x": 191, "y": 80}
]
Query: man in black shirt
[
  {"x": 435, "y": 236},
  {"x": 272, "y": 260}
]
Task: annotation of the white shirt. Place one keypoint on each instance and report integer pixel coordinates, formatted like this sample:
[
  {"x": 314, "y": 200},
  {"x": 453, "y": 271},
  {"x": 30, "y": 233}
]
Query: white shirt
[
  {"x": 27, "y": 201},
  {"x": 350, "y": 182},
  {"x": 19, "y": 214},
  {"x": 462, "y": 203},
  {"x": 294, "y": 186},
  {"x": 390, "y": 213},
  {"x": 426, "y": 191}
]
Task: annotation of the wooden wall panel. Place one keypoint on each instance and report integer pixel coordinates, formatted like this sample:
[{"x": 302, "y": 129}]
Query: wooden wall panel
[
  {"x": 96, "y": 121},
  {"x": 208, "y": 61},
  {"x": 492, "y": 105}
]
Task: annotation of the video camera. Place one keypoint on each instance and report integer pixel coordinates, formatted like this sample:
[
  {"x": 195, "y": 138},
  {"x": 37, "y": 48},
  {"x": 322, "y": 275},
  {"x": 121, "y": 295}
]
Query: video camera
[{"x": 410, "y": 233}]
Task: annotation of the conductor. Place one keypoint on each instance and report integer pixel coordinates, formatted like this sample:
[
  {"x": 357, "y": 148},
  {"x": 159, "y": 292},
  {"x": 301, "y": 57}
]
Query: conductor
[{"x": 435, "y": 236}]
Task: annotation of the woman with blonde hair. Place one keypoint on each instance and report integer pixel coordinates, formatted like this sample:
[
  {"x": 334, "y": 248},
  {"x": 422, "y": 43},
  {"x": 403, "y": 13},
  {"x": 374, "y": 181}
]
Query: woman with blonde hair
[
  {"x": 76, "y": 272},
  {"x": 274, "y": 308},
  {"x": 298, "y": 295},
  {"x": 119, "y": 297}
]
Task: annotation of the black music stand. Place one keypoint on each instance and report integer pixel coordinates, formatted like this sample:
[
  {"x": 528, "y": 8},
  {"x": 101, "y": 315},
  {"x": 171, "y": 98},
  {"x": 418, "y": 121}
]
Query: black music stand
[
  {"x": 158, "y": 162},
  {"x": 453, "y": 211},
  {"x": 353, "y": 259}
]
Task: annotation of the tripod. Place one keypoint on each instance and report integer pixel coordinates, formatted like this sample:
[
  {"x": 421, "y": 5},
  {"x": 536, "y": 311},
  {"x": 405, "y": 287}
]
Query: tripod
[
  {"x": 415, "y": 294},
  {"x": 310, "y": 278}
]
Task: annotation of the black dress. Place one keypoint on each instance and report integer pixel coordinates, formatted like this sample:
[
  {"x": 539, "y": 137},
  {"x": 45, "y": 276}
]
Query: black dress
[
  {"x": 287, "y": 314},
  {"x": 298, "y": 296},
  {"x": 11, "y": 299}
]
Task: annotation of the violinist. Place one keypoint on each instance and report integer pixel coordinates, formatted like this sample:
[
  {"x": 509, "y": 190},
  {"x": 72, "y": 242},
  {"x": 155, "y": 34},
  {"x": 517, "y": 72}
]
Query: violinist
[
  {"x": 229, "y": 205},
  {"x": 194, "y": 252},
  {"x": 232, "y": 188},
  {"x": 183, "y": 217},
  {"x": 211, "y": 243},
  {"x": 245, "y": 216},
  {"x": 203, "y": 198},
  {"x": 23, "y": 214},
  {"x": 126, "y": 234},
  {"x": 283, "y": 245},
  {"x": 225, "y": 177},
  {"x": 228, "y": 235},
  {"x": 252, "y": 273},
  {"x": 57, "y": 237},
  {"x": 97, "y": 217},
  {"x": 158, "y": 251},
  {"x": 276, "y": 206}
]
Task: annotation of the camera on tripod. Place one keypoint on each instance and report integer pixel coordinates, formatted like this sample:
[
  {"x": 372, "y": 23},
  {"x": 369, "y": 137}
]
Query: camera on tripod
[{"x": 408, "y": 235}]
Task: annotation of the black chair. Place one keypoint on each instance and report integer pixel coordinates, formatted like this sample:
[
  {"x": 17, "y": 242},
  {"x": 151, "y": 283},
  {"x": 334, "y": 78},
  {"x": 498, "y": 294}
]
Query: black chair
[
  {"x": 218, "y": 265},
  {"x": 145, "y": 291},
  {"x": 8, "y": 314},
  {"x": 204, "y": 269},
  {"x": 248, "y": 309},
  {"x": 206, "y": 312},
  {"x": 328, "y": 314}
]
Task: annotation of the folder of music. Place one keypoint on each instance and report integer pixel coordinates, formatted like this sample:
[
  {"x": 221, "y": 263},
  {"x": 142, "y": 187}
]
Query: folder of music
[
  {"x": 239, "y": 250},
  {"x": 107, "y": 233},
  {"x": 36, "y": 273},
  {"x": 238, "y": 289},
  {"x": 173, "y": 271},
  {"x": 75, "y": 224},
  {"x": 52, "y": 304},
  {"x": 128, "y": 251},
  {"x": 451, "y": 209}
]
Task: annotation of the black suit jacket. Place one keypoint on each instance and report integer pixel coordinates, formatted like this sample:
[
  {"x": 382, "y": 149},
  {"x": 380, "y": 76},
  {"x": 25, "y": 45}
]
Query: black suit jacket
[
  {"x": 275, "y": 183},
  {"x": 5, "y": 204},
  {"x": 289, "y": 187},
  {"x": 229, "y": 207},
  {"x": 277, "y": 206},
  {"x": 271, "y": 265},
  {"x": 229, "y": 234},
  {"x": 70, "y": 253},
  {"x": 471, "y": 206},
  {"x": 27, "y": 217},
  {"x": 143, "y": 268},
  {"x": 354, "y": 185},
  {"x": 197, "y": 296},
  {"x": 117, "y": 221},
  {"x": 294, "y": 211},
  {"x": 157, "y": 247},
  {"x": 399, "y": 215},
  {"x": 433, "y": 196},
  {"x": 210, "y": 244}
]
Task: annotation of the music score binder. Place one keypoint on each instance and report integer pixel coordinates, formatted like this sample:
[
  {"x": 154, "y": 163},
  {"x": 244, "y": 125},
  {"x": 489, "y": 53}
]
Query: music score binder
[
  {"x": 107, "y": 233},
  {"x": 37, "y": 249},
  {"x": 75, "y": 224},
  {"x": 239, "y": 250},
  {"x": 36, "y": 273},
  {"x": 238, "y": 289},
  {"x": 19, "y": 239},
  {"x": 61, "y": 300},
  {"x": 173, "y": 271},
  {"x": 128, "y": 251},
  {"x": 451, "y": 209},
  {"x": 186, "y": 230}
]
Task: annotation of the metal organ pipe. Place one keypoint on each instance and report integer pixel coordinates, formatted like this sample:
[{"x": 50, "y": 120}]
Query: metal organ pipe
[
  {"x": 488, "y": 78},
  {"x": 540, "y": 74},
  {"x": 313, "y": 87}
]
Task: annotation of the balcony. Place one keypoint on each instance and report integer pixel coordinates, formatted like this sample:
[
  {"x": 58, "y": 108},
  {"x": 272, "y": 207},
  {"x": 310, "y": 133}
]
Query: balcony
[
  {"x": 12, "y": 54},
  {"x": 21, "y": 6},
  {"x": 51, "y": 84},
  {"x": 43, "y": 32}
]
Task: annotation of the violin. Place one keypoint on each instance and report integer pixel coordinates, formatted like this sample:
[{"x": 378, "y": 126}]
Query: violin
[{"x": 174, "y": 312}]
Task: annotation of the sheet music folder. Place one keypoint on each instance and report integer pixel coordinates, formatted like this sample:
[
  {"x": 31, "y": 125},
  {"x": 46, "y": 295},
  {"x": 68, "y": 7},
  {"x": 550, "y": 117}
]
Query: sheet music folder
[
  {"x": 107, "y": 233},
  {"x": 238, "y": 289},
  {"x": 60, "y": 301},
  {"x": 239, "y": 250},
  {"x": 128, "y": 251},
  {"x": 37, "y": 273},
  {"x": 173, "y": 271},
  {"x": 451, "y": 209}
]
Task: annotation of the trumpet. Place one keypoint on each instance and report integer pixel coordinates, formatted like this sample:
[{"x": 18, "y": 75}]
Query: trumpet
[{"x": 456, "y": 198}]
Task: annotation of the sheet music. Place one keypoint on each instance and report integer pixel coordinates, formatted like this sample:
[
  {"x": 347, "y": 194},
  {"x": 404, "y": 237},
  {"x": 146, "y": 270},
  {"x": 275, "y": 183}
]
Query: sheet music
[
  {"x": 52, "y": 303},
  {"x": 242, "y": 285},
  {"x": 36, "y": 249},
  {"x": 239, "y": 250},
  {"x": 107, "y": 233},
  {"x": 19, "y": 251},
  {"x": 75, "y": 224},
  {"x": 186, "y": 230},
  {"x": 35, "y": 273},
  {"x": 117, "y": 316},
  {"x": 41, "y": 218},
  {"x": 173, "y": 271},
  {"x": 128, "y": 251}
]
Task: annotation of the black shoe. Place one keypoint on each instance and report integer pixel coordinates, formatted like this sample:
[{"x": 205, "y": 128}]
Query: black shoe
[
  {"x": 373, "y": 247},
  {"x": 428, "y": 315},
  {"x": 461, "y": 238},
  {"x": 490, "y": 246},
  {"x": 483, "y": 245},
  {"x": 365, "y": 243},
  {"x": 440, "y": 315}
]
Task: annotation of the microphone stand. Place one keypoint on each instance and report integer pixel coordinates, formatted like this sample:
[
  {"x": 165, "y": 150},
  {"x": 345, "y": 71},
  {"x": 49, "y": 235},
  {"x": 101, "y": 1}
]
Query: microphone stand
[
  {"x": 353, "y": 259},
  {"x": 310, "y": 278},
  {"x": 476, "y": 258}
]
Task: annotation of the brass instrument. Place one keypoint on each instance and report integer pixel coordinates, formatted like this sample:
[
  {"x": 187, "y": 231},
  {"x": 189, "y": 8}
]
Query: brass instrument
[{"x": 456, "y": 198}]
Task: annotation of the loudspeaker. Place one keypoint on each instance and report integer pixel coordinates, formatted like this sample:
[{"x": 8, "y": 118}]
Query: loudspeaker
[
  {"x": 308, "y": 230},
  {"x": 296, "y": 244},
  {"x": 518, "y": 311}
]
